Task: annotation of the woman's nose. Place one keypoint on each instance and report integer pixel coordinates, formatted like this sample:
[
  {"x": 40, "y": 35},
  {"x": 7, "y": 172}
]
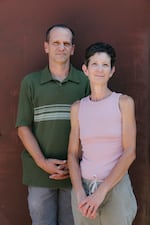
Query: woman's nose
[{"x": 99, "y": 67}]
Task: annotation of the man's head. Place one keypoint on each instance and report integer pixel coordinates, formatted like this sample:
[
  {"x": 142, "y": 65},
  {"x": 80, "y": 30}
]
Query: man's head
[
  {"x": 59, "y": 44},
  {"x": 48, "y": 32},
  {"x": 100, "y": 47}
]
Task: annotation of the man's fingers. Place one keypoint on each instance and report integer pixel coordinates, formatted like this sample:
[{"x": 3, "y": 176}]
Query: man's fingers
[
  {"x": 60, "y": 162},
  {"x": 58, "y": 177}
]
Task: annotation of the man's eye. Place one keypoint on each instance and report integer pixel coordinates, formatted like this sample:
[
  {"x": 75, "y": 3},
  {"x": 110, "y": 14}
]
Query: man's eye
[
  {"x": 56, "y": 43},
  {"x": 67, "y": 44}
]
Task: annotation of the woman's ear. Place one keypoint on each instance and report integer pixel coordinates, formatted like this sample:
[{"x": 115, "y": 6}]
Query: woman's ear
[
  {"x": 84, "y": 69},
  {"x": 112, "y": 71}
]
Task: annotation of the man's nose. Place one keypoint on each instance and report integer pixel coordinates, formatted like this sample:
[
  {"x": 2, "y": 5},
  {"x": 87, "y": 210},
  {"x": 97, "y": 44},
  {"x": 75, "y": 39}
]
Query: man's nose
[{"x": 62, "y": 46}]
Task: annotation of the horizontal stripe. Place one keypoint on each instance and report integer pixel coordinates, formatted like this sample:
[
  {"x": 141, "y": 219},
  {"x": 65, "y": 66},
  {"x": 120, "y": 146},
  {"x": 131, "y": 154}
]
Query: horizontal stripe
[
  {"x": 52, "y": 108},
  {"x": 52, "y": 116},
  {"x": 52, "y": 112}
]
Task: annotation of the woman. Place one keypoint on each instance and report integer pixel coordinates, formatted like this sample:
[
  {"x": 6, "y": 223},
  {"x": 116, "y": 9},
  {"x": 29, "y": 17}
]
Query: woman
[{"x": 102, "y": 146}]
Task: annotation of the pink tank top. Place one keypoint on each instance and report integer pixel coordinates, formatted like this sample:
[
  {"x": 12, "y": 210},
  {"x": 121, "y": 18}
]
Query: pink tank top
[{"x": 100, "y": 134}]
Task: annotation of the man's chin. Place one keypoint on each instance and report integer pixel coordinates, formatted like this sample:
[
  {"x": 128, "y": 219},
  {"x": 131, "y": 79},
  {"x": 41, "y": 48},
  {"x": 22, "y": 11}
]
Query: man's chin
[{"x": 61, "y": 59}]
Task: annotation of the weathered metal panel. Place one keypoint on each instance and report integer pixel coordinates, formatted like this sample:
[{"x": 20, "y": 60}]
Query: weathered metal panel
[{"x": 126, "y": 25}]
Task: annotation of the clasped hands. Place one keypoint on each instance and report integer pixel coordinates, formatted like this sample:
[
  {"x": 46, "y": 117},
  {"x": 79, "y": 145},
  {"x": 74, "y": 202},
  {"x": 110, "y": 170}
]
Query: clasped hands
[
  {"x": 58, "y": 169},
  {"x": 88, "y": 205}
]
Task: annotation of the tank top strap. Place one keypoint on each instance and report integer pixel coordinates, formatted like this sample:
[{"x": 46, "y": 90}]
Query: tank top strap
[{"x": 116, "y": 96}]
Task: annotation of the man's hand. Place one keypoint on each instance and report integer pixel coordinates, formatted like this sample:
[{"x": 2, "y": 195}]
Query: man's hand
[
  {"x": 57, "y": 168},
  {"x": 63, "y": 172}
]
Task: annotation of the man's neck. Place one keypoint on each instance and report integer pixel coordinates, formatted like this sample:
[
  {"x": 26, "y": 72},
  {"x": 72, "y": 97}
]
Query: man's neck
[{"x": 59, "y": 71}]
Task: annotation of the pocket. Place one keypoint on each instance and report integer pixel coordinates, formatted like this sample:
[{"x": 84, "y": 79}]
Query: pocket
[
  {"x": 124, "y": 196},
  {"x": 133, "y": 203}
]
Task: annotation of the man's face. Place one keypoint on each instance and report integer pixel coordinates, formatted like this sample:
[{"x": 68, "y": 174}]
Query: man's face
[{"x": 60, "y": 47}]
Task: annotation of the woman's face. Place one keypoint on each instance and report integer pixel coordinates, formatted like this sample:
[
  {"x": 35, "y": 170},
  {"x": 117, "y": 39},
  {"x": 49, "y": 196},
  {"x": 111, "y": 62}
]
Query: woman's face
[{"x": 99, "y": 68}]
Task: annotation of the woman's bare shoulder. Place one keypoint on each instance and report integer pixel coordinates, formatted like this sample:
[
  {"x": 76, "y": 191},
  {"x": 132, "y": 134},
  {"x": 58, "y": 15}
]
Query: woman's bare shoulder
[
  {"x": 126, "y": 101},
  {"x": 75, "y": 106}
]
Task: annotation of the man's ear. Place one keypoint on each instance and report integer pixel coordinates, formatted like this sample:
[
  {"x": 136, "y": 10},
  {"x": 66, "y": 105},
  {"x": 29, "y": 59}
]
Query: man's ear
[
  {"x": 46, "y": 47},
  {"x": 84, "y": 69},
  {"x": 73, "y": 49}
]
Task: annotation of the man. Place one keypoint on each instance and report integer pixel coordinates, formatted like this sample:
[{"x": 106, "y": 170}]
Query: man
[{"x": 43, "y": 123}]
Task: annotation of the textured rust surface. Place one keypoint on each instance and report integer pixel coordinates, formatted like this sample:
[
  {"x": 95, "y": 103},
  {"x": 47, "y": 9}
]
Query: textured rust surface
[{"x": 126, "y": 25}]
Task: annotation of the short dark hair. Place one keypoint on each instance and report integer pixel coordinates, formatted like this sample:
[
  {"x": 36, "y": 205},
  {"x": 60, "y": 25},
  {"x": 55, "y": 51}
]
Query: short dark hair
[
  {"x": 99, "y": 47},
  {"x": 60, "y": 26}
]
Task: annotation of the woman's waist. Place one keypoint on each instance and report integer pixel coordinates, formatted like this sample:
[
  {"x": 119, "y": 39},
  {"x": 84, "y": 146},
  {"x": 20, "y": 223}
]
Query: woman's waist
[{"x": 100, "y": 169}]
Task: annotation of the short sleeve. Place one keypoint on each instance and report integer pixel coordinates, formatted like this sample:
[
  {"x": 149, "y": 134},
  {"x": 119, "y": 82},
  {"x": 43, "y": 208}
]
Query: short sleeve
[{"x": 25, "y": 113}]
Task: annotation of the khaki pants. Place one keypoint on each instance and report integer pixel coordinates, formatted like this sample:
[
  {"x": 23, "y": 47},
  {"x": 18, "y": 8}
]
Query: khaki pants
[{"x": 118, "y": 208}]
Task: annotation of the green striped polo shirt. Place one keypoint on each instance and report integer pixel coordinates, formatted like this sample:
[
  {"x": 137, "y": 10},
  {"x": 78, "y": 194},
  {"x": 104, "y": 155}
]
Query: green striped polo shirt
[{"x": 44, "y": 105}]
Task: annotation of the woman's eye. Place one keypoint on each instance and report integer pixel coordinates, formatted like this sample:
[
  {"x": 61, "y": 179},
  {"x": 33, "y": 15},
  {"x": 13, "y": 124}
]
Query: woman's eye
[{"x": 105, "y": 65}]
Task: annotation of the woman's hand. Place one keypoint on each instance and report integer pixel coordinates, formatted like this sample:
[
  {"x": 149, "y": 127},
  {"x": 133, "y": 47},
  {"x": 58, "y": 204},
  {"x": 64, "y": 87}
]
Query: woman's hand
[{"x": 88, "y": 207}]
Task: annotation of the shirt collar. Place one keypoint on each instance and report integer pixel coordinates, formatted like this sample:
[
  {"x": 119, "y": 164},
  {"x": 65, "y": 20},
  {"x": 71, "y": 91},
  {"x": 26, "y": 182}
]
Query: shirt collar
[{"x": 72, "y": 76}]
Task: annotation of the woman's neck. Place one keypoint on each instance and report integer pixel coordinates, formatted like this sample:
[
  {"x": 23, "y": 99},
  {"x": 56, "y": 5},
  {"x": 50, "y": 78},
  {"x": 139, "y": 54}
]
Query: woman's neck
[{"x": 98, "y": 93}]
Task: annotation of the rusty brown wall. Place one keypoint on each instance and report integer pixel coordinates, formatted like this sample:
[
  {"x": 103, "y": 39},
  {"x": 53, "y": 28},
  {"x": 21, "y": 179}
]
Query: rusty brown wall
[{"x": 126, "y": 25}]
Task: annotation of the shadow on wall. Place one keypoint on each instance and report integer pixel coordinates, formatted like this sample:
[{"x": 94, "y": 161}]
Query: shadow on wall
[{"x": 4, "y": 219}]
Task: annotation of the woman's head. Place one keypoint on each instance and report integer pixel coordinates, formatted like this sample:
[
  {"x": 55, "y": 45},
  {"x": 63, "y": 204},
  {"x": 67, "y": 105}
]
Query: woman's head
[
  {"x": 100, "y": 47},
  {"x": 99, "y": 63}
]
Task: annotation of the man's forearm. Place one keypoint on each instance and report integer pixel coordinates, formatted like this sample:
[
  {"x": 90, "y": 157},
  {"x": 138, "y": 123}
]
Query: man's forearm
[{"x": 31, "y": 145}]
